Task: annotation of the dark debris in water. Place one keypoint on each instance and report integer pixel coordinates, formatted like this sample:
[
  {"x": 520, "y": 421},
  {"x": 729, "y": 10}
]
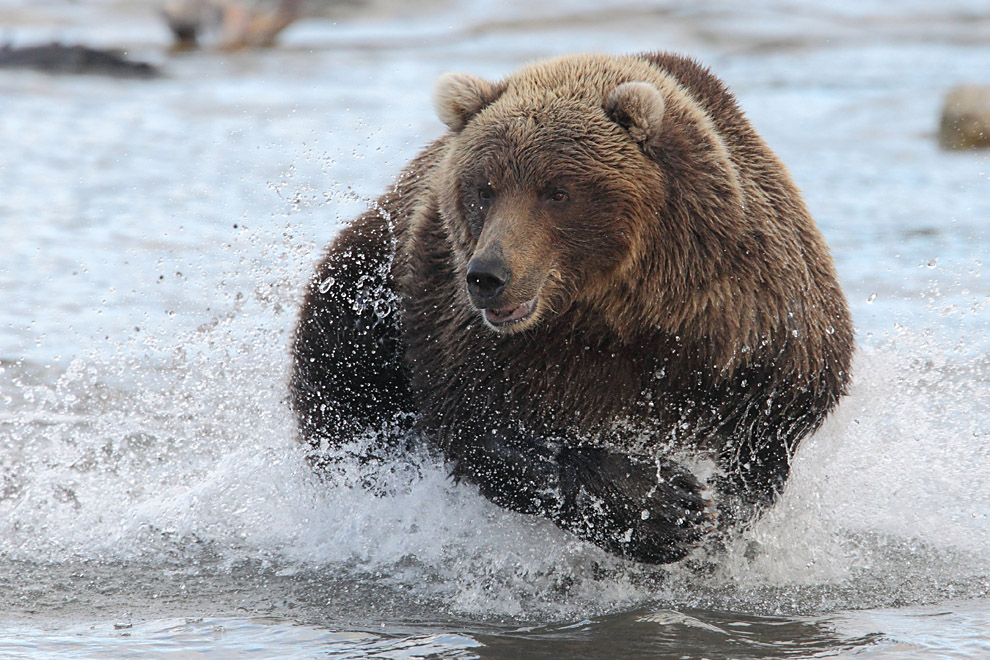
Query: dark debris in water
[{"x": 60, "y": 58}]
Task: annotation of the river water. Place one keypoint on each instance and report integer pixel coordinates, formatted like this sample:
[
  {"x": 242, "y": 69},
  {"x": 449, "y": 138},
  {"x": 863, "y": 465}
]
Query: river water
[{"x": 154, "y": 239}]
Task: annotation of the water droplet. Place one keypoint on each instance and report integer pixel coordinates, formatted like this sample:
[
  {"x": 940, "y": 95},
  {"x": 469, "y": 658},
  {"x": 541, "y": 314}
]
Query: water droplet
[
  {"x": 326, "y": 284},
  {"x": 872, "y": 297},
  {"x": 830, "y": 330},
  {"x": 932, "y": 262},
  {"x": 644, "y": 514}
]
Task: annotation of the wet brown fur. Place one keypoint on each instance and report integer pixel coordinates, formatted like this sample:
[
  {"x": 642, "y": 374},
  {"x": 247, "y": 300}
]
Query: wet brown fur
[{"x": 686, "y": 298}]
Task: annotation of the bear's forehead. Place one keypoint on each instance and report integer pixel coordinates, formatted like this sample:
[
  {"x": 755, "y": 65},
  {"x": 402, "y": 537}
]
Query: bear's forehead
[
  {"x": 531, "y": 147},
  {"x": 556, "y": 108},
  {"x": 542, "y": 142},
  {"x": 551, "y": 122},
  {"x": 588, "y": 78}
]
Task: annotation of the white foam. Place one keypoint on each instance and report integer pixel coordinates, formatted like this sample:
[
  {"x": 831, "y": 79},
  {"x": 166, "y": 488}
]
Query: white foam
[{"x": 202, "y": 458}]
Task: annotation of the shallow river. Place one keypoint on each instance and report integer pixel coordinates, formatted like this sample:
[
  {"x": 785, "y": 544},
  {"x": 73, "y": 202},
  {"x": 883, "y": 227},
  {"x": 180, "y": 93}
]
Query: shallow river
[{"x": 155, "y": 236}]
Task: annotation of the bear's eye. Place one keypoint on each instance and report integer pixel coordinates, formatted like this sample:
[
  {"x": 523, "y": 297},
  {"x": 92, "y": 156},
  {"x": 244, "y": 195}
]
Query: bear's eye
[
  {"x": 485, "y": 193},
  {"x": 558, "y": 196}
]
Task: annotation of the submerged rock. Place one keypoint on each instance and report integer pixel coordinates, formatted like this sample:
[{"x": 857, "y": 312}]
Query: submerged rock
[
  {"x": 965, "y": 120},
  {"x": 61, "y": 58}
]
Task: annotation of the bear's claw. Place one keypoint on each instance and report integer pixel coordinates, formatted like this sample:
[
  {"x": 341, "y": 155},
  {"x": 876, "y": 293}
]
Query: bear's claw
[{"x": 649, "y": 510}]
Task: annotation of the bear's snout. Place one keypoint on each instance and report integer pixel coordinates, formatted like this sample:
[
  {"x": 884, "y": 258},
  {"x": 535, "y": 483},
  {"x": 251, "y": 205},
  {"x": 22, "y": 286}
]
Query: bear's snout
[{"x": 486, "y": 280}]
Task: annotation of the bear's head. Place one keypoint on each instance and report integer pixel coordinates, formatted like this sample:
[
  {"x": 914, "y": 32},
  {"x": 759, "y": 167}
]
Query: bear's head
[{"x": 587, "y": 179}]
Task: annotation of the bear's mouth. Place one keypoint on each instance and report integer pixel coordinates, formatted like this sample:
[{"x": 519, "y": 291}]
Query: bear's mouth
[{"x": 500, "y": 318}]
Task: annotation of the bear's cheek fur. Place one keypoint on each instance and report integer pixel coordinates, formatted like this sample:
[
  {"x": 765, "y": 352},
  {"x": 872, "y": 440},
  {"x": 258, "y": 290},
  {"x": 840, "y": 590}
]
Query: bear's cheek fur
[{"x": 599, "y": 240}]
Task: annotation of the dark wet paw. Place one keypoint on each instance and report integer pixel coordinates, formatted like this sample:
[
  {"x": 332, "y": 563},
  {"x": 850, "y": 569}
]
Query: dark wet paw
[{"x": 652, "y": 511}]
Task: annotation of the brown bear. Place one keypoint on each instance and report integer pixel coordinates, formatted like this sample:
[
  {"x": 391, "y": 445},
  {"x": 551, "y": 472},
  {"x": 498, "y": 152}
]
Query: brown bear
[{"x": 598, "y": 271}]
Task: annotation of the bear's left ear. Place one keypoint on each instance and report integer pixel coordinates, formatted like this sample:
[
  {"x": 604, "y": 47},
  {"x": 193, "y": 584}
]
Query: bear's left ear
[
  {"x": 639, "y": 108},
  {"x": 457, "y": 97}
]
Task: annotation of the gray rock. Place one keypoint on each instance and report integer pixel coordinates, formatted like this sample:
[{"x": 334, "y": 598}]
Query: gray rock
[{"x": 965, "y": 120}]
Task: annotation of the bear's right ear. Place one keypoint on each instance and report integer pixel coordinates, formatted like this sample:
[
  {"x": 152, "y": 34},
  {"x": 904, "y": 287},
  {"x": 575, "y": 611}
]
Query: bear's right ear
[
  {"x": 457, "y": 97},
  {"x": 639, "y": 108}
]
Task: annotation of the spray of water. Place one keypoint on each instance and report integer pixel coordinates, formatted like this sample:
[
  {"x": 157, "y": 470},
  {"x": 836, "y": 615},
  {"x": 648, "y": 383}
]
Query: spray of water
[{"x": 177, "y": 448}]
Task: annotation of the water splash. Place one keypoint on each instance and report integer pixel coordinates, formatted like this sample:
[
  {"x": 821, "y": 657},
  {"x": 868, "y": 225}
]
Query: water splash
[{"x": 192, "y": 459}]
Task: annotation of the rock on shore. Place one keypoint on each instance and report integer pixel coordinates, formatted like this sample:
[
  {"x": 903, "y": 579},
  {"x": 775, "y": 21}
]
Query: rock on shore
[{"x": 965, "y": 122}]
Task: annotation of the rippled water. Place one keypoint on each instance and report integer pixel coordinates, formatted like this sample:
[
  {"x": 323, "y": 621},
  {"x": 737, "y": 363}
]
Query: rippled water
[{"x": 155, "y": 237}]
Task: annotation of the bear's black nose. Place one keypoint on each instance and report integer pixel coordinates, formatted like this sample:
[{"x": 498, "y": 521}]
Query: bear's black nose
[{"x": 486, "y": 278}]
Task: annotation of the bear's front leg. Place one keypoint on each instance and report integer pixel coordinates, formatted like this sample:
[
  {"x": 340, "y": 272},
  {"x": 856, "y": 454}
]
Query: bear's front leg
[
  {"x": 520, "y": 474},
  {"x": 651, "y": 511},
  {"x": 347, "y": 374}
]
